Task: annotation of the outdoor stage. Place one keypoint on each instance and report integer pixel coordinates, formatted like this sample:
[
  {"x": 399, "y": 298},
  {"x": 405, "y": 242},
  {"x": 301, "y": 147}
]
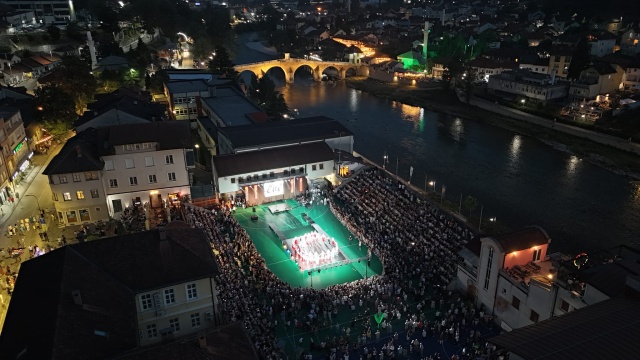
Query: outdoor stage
[{"x": 329, "y": 258}]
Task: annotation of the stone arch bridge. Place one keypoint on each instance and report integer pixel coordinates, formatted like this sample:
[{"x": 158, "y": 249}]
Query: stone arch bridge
[{"x": 290, "y": 65}]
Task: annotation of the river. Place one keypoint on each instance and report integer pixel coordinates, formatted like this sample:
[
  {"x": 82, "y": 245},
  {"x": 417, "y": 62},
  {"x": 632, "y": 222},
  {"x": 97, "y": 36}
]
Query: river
[{"x": 518, "y": 180}]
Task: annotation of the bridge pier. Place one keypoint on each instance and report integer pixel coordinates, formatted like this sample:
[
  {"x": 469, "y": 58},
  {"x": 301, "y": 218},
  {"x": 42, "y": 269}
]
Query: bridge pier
[{"x": 317, "y": 74}]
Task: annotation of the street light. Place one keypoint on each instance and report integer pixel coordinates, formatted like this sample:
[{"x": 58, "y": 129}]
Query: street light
[
  {"x": 385, "y": 159},
  {"x": 197, "y": 151},
  {"x": 37, "y": 201}
]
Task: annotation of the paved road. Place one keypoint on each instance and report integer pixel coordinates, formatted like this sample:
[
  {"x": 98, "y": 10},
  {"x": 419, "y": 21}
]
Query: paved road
[{"x": 34, "y": 185}]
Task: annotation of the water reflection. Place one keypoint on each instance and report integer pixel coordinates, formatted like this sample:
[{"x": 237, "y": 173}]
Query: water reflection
[
  {"x": 457, "y": 130},
  {"x": 572, "y": 166}
]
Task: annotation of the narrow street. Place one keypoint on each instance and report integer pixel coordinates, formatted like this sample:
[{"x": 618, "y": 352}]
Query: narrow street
[{"x": 32, "y": 192}]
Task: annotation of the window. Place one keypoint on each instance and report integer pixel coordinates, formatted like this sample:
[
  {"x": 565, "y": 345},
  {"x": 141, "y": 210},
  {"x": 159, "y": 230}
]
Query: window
[
  {"x": 108, "y": 165},
  {"x": 133, "y": 180},
  {"x": 515, "y": 302},
  {"x": 145, "y": 302},
  {"x": 321, "y": 166},
  {"x": 168, "y": 159},
  {"x": 536, "y": 254},
  {"x": 76, "y": 177},
  {"x": 129, "y": 163},
  {"x": 534, "y": 316},
  {"x": 128, "y": 147},
  {"x": 62, "y": 178},
  {"x": 148, "y": 161},
  {"x": 117, "y": 205},
  {"x": 113, "y": 183},
  {"x": 487, "y": 276},
  {"x": 84, "y": 215},
  {"x": 192, "y": 291},
  {"x": 54, "y": 196},
  {"x": 564, "y": 306},
  {"x": 175, "y": 324},
  {"x": 172, "y": 176},
  {"x": 66, "y": 196},
  {"x": 146, "y": 146},
  {"x": 136, "y": 146},
  {"x": 94, "y": 194},
  {"x": 233, "y": 180},
  {"x": 91, "y": 175},
  {"x": 195, "y": 319},
  {"x": 71, "y": 216},
  {"x": 80, "y": 194},
  {"x": 169, "y": 296},
  {"x": 152, "y": 179},
  {"x": 152, "y": 331},
  {"x": 313, "y": 167}
]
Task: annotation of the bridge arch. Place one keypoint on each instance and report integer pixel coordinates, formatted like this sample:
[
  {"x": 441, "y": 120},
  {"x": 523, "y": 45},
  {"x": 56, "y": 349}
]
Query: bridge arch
[{"x": 313, "y": 69}]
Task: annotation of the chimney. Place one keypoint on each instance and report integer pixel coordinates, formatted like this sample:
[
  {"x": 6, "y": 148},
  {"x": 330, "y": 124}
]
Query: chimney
[
  {"x": 78, "y": 151},
  {"x": 77, "y": 298}
]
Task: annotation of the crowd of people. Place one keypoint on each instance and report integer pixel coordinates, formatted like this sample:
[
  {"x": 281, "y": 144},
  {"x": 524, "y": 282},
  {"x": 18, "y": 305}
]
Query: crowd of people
[{"x": 417, "y": 244}]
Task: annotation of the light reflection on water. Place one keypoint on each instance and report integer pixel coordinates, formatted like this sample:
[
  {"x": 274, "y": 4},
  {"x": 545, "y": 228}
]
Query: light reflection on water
[{"x": 517, "y": 179}]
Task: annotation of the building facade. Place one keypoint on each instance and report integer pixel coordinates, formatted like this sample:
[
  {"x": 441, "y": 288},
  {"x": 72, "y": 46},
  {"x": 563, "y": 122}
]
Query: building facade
[
  {"x": 100, "y": 172},
  {"x": 16, "y": 154},
  {"x": 529, "y": 85},
  {"x": 47, "y": 12}
]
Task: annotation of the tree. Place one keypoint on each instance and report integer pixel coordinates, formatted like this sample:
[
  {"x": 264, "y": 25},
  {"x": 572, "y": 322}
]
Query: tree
[
  {"x": 470, "y": 203},
  {"x": 74, "y": 31},
  {"x": 78, "y": 81},
  {"x": 467, "y": 84},
  {"x": 54, "y": 32},
  {"x": 264, "y": 92},
  {"x": 222, "y": 64},
  {"x": 57, "y": 109},
  {"x": 580, "y": 59},
  {"x": 202, "y": 48}
]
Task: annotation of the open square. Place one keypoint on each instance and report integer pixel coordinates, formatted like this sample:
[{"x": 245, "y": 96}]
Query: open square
[{"x": 276, "y": 226}]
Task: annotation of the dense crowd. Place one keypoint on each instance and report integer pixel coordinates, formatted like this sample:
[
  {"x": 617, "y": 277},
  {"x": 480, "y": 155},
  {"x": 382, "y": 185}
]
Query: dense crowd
[{"x": 417, "y": 245}]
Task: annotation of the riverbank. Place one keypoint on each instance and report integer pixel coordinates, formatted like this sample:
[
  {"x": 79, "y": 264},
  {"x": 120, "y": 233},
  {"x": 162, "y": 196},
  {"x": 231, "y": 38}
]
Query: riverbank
[{"x": 436, "y": 99}]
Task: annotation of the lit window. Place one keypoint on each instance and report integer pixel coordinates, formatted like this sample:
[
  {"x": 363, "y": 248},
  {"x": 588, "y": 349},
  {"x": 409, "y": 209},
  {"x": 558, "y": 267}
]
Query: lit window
[
  {"x": 66, "y": 196},
  {"x": 91, "y": 175},
  {"x": 80, "y": 194}
]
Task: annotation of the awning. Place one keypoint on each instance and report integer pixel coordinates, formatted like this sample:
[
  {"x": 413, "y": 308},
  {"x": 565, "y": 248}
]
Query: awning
[{"x": 44, "y": 139}]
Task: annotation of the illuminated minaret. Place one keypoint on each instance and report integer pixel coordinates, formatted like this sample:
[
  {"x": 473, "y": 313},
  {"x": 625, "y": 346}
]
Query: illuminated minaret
[{"x": 426, "y": 39}]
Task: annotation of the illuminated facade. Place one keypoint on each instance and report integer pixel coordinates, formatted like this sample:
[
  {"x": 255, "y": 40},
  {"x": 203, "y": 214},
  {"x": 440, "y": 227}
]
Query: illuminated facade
[
  {"x": 16, "y": 154},
  {"x": 47, "y": 12}
]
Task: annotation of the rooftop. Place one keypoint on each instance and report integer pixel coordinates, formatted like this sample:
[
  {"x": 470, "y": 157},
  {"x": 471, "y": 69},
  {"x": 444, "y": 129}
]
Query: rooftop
[
  {"x": 104, "y": 275},
  {"x": 524, "y": 239},
  {"x": 168, "y": 135},
  {"x": 606, "y": 330},
  {"x": 232, "y": 107},
  {"x": 78, "y": 154},
  {"x": 285, "y": 132},
  {"x": 280, "y": 157}
]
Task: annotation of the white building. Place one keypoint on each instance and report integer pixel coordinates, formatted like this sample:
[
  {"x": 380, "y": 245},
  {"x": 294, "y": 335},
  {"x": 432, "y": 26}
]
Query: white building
[
  {"x": 602, "y": 43},
  {"x": 47, "y": 12},
  {"x": 272, "y": 174},
  {"x": 513, "y": 279},
  {"x": 99, "y": 172},
  {"x": 529, "y": 85},
  {"x": 146, "y": 163}
]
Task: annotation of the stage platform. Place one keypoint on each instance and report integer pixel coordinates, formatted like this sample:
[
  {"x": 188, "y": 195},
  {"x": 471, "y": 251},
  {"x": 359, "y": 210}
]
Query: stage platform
[{"x": 278, "y": 208}]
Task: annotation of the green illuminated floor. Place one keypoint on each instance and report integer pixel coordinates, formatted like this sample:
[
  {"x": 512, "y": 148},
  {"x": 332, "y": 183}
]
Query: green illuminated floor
[{"x": 292, "y": 224}]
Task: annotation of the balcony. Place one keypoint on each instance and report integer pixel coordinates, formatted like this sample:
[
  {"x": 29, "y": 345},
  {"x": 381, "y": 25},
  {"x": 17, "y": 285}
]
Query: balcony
[{"x": 259, "y": 179}]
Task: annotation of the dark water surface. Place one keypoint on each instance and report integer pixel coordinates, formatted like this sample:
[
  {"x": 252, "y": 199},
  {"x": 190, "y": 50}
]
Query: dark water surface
[{"x": 517, "y": 179}]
